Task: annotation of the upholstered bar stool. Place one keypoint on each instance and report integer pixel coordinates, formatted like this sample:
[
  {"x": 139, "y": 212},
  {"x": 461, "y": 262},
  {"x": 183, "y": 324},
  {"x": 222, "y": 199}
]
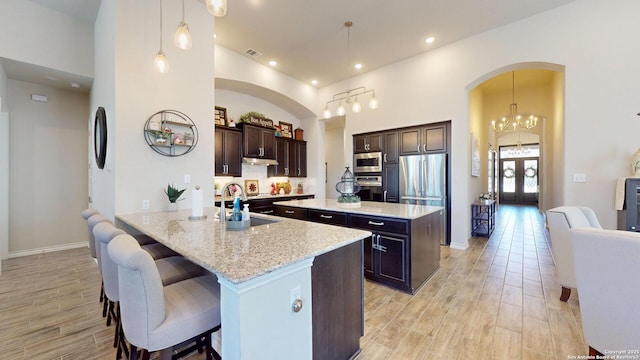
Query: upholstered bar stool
[
  {"x": 171, "y": 270},
  {"x": 157, "y": 317}
]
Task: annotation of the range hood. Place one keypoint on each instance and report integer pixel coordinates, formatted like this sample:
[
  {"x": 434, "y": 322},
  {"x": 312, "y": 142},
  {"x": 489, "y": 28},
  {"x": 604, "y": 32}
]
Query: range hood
[{"x": 258, "y": 161}]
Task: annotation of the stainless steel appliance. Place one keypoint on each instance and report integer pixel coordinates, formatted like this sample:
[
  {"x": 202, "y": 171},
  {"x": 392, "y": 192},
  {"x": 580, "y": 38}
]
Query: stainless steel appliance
[
  {"x": 370, "y": 187},
  {"x": 367, "y": 162},
  {"x": 423, "y": 181}
]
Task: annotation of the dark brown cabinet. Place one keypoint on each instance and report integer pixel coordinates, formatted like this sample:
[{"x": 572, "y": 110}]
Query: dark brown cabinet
[
  {"x": 367, "y": 142},
  {"x": 391, "y": 183},
  {"x": 259, "y": 142},
  {"x": 327, "y": 217},
  {"x": 291, "y": 156},
  {"x": 291, "y": 212},
  {"x": 228, "y": 153},
  {"x": 390, "y": 153},
  {"x": 423, "y": 140},
  {"x": 298, "y": 158}
]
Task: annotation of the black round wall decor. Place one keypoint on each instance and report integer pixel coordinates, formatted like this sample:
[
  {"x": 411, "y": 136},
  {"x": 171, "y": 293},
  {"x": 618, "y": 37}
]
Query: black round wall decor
[{"x": 100, "y": 137}]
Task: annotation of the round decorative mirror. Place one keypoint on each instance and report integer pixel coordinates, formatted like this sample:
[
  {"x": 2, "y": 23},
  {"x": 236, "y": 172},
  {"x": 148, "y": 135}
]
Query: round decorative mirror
[{"x": 100, "y": 137}]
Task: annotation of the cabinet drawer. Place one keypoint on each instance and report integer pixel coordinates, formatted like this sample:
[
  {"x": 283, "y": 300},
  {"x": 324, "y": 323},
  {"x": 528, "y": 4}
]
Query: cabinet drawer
[
  {"x": 291, "y": 212},
  {"x": 379, "y": 224},
  {"x": 328, "y": 217},
  {"x": 267, "y": 210}
]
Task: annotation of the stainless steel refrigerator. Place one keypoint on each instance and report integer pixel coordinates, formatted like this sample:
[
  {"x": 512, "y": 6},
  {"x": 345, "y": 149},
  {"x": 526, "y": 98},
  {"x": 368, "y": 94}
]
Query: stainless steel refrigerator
[{"x": 423, "y": 181}]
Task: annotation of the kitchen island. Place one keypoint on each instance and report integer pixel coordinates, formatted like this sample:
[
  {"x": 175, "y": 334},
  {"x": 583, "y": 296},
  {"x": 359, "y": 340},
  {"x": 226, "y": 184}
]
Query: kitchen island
[
  {"x": 404, "y": 248},
  {"x": 262, "y": 271}
]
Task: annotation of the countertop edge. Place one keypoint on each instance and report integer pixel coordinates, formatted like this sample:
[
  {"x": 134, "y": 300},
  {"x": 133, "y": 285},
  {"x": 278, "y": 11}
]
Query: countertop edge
[{"x": 357, "y": 211}]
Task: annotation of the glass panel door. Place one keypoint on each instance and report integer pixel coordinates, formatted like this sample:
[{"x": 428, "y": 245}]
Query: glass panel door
[{"x": 519, "y": 181}]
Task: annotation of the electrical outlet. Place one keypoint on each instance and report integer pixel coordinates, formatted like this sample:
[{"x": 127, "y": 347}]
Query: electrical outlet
[
  {"x": 145, "y": 204},
  {"x": 187, "y": 178},
  {"x": 579, "y": 178}
]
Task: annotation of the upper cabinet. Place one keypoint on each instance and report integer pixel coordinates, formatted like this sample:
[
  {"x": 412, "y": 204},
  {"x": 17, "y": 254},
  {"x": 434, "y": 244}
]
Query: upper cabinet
[
  {"x": 291, "y": 156},
  {"x": 259, "y": 142},
  {"x": 390, "y": 153},
  {"x": 367, "y": 142},
  {"x": 423, "y": 140},
  {"x": 228, "y": 155}
]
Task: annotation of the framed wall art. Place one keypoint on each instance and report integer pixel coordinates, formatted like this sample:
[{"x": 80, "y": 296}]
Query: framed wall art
[
  {"x": 220, "y": 117},
  {"x": 287, "y": 129}
]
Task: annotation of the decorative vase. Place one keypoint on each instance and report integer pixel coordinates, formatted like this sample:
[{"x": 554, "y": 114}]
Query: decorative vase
[{"x": 172, "y": 206}]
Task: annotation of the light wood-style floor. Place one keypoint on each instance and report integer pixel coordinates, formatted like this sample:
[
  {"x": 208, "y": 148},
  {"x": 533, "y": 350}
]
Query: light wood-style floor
[{"x": 496, "y": 300}]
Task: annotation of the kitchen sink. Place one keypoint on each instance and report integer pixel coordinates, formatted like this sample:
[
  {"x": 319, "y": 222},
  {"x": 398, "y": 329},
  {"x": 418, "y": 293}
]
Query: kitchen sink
[{"x": 260, "y": 221}]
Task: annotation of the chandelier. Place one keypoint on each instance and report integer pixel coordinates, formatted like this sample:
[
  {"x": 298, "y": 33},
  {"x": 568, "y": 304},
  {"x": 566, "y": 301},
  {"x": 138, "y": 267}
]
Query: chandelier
[
  {"x": 514, "y": 120},
  {"x": 350, "y": 96}
]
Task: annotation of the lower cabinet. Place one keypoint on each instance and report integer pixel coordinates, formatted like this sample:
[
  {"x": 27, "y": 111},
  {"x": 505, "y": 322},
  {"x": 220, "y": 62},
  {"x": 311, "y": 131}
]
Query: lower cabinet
[
  {"x": 401, "y": 253},
  {"x": 337, "y": 290}
]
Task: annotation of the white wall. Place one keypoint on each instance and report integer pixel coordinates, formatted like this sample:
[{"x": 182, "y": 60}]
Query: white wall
[
  {"x": 37, "y": 35},
  {"x": 4, "y": 169},
  {"x": 598, "y": 95},
  {"x": 131, "y": 91},
  {"x": 48, "y": 167}
]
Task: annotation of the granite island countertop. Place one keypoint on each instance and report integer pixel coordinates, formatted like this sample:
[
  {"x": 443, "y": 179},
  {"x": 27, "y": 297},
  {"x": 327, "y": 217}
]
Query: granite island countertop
[
  {"x": 239, "y": 256},
  {"x": 393, "y": 210}
]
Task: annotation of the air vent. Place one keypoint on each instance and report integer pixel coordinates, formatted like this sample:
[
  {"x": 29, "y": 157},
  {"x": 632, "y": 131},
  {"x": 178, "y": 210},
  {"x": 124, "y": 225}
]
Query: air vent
[{"x": 253, "y": 53}]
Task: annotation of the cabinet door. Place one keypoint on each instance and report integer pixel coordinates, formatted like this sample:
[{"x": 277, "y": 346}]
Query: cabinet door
[
  {"x": 359, "y": 144},
  {"x": 301, "y": 159},
  {"x": 228, "y": 153},
  {"x": 268, "y": 138},
  {"x": 252, "y": 141},
  {"x": 233, "y": 152},
  {"x": 219, "y": 152},
  {"x": 391, "y": 148},
  {"x": 434, "y": 139},
  {"x": 390, "y": 183},
  {"x": 368, "y": 256},
  {"x": 375, "y": 142},
  {"x": 410, "y": 142},
  {"x": 392, "y": 257},
  {"x": 281, "y": 154}
]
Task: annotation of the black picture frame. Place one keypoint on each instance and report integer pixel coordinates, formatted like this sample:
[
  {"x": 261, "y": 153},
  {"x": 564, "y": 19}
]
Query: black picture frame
[{"x": 100, "y": 137}]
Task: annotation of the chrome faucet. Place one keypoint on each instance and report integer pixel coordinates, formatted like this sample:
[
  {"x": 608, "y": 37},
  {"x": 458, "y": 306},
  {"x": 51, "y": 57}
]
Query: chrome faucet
[{"x": 223, "y": 212}]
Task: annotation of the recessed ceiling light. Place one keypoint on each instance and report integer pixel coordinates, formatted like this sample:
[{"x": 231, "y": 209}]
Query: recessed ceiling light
[
  {"x": 430, "y": 40},
  {"x": 75, "y": 85},
  {"x": 315, "y": 82},
  {"x": 358, "y": 66},
  {"x": 215, "y": 35},
  {"x": 273, "y": 63}
]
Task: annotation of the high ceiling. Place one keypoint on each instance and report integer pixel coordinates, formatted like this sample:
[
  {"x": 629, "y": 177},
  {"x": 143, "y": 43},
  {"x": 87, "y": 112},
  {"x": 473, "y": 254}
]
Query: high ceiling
[{"x": 308, "y": 39}]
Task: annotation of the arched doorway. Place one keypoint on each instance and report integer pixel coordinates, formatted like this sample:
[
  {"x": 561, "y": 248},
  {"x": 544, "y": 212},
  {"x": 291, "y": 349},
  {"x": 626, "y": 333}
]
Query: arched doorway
[{"x": 538, "y": 88}]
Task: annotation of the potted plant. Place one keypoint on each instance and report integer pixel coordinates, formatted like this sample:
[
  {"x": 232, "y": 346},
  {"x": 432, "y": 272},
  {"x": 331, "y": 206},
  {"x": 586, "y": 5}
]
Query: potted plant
[{"x": 174, "y": 195}]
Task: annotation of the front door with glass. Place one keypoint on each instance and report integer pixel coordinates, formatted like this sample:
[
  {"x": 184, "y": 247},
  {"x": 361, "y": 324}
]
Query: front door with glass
[{"x": 519, "y": 175}]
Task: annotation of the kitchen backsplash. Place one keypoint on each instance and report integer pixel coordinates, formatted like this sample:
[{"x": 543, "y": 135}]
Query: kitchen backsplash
[{"x": 253, "y": 172}]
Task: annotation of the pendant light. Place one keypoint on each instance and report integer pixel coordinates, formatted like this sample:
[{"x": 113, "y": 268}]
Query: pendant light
[
  {"x": 350, "y": 96},
  {"x": 217, "y": 7},
  {"x": 161, "y": 63},
  {"x": 182, "y": 37}
]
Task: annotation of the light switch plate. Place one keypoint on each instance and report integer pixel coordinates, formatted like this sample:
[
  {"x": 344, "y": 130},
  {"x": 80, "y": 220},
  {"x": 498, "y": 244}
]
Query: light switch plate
[{"x": 187, "y": 178}]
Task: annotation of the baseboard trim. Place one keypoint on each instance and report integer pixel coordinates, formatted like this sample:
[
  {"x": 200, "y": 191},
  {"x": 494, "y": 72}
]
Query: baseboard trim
[{"x": 21, "y": 253}]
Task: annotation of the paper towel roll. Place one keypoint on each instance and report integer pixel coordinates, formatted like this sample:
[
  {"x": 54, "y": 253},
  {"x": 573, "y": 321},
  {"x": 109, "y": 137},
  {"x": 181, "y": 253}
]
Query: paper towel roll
[{"x": 196, "y": 197}]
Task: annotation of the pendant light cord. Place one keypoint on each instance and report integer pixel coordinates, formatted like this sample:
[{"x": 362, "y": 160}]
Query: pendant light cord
[
  {"x": 161, "y": 26},
  {"x": 348, "y": 25},
  {"x": 182, "y": 12}
]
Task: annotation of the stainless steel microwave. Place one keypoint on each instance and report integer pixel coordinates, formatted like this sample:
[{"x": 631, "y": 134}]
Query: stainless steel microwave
[{"x": 367, "y": 162}]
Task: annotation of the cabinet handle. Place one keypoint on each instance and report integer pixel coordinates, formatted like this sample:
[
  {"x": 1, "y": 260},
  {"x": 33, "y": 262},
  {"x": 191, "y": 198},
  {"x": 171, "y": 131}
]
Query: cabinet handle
[
  {"x": 286, "y": 171},
  {"x": 374, "y": 242},
  {"x": 385, "y": 196},
  {"x": 289, "y": 212},
  {"x": 266, "y": 212},
  {"x": 326, "y": 216},
  {"x": 299, "y": 171},
  {"x": 385, "y": 157},
  {"x": 376, "y": 223},
  {"x": 424, "y": 147},
  {"x": 380, "y": 247}
]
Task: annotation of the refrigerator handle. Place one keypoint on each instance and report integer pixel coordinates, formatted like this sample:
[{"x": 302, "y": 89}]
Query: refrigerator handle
[{"x": 385, "y": 196}]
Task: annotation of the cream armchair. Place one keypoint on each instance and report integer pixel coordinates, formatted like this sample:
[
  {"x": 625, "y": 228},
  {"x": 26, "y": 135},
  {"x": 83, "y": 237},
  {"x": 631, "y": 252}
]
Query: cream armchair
[
  {"x": 560, "y": 220},
  {"x": 607, "y": 269}
]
